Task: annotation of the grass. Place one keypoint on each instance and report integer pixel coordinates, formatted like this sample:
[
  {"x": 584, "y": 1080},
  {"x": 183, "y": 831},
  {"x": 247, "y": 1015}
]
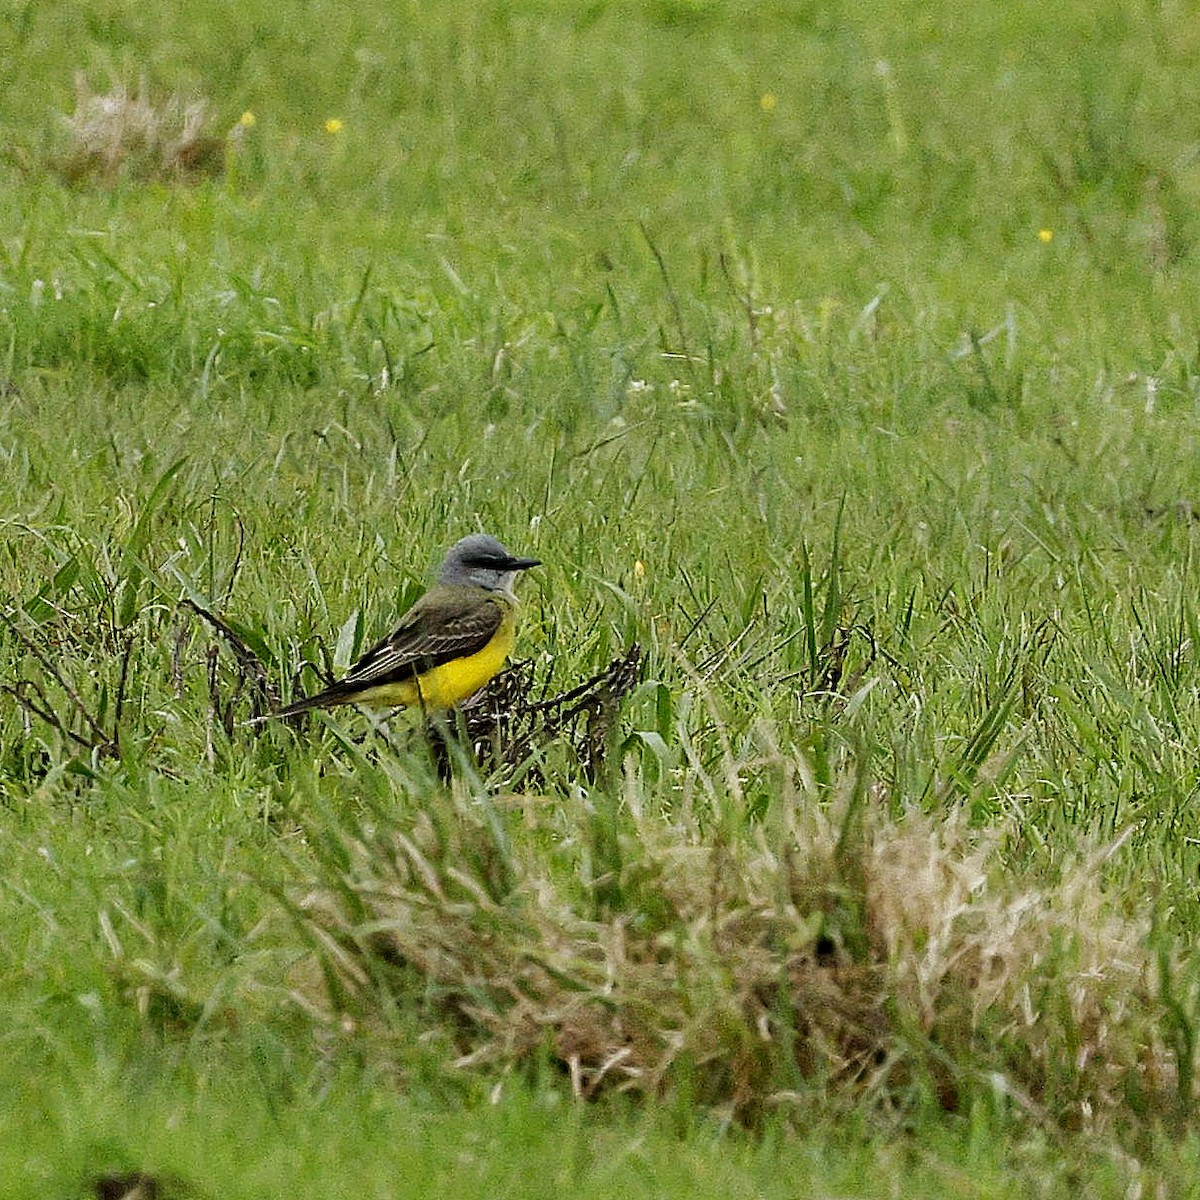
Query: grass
[{"x": 844, "y": 357}]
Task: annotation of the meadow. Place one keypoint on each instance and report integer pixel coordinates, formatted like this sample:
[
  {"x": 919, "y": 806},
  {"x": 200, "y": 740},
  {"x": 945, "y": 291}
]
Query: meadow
[{"x": 844, "y": 357}]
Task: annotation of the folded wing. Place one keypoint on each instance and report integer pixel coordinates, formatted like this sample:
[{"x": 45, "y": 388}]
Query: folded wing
[{"x": 426, "y": 638}]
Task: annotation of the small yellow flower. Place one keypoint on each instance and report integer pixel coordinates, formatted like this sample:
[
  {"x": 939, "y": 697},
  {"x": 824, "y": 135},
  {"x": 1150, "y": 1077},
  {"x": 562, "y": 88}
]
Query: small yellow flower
[
  {"x": 768, "y": 102},
  {"x": 1045, "y": 235},
  {"x": 247, "y": 120},
  {"x": 639, "y": 569},
  {"x": 333, "y": 125}
]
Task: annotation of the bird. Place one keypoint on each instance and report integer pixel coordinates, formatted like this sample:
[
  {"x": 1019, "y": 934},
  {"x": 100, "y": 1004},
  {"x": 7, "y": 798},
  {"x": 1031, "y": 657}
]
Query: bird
[{"x": 447, "y": 645}]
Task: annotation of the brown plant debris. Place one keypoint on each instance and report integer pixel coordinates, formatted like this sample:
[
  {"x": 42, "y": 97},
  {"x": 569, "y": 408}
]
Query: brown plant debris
[
  {"x": 251, "y": 677},
  {"x": 74, "y": 719},
  {"x": 141, "y": 1185},
  {"x": 831, "y": 958},
  {"x": 133, "y": 132},
  {"x": 505, "y": 726}
]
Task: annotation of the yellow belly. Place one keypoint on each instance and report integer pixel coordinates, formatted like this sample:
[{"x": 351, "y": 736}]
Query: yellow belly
[{"x": 446, "y": 685}]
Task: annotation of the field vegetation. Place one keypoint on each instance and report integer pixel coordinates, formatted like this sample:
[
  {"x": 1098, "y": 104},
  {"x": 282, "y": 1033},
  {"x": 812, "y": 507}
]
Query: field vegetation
[{"x": 843, "y": 357}]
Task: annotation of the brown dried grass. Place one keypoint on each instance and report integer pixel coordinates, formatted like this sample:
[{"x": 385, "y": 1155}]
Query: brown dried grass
[
  {"x": 830, "y": 955},
  {"x": 124, "y": 132}
]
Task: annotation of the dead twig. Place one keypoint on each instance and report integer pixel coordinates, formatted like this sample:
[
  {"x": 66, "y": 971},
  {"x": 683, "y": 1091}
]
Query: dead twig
[
  {"x": 101, "y": 741},
  {"x": 265, "y": 696},
  {"x": 505, "y": 728}
]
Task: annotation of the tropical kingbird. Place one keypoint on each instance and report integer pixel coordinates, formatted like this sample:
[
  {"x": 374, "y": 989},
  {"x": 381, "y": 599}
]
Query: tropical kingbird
[{"x": 448, "y": 645}]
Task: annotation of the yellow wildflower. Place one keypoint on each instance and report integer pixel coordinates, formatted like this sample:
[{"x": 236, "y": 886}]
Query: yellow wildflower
[
  {"x": 768, "y": 102},
  {"x": 1045, "y": 235},
  {"x": 247, "y": 120},
  {"x": 333, "y": 125}
]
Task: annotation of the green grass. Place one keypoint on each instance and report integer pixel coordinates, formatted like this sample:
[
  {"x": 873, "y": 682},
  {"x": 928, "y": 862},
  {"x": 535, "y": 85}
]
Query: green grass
[{"x": 741, "y": 321}]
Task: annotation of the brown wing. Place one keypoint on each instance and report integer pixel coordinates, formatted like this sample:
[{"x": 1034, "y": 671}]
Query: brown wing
[
  {"x": 451, "y": 626},
  {"x": 450, "y": 623}
]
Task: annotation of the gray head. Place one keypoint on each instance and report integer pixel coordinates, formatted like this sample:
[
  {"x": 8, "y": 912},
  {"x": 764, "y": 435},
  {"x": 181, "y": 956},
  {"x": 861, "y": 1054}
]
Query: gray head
[{"x": 479, "y": 560}]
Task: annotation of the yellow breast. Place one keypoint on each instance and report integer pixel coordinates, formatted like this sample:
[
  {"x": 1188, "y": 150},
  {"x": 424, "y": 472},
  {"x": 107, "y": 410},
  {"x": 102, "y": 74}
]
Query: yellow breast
[{"x": 446, "y": 685}]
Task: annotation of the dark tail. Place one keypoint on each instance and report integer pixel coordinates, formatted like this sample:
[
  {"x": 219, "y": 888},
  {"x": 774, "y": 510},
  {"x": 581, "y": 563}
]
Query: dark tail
[{"x": 326, "y": 699}]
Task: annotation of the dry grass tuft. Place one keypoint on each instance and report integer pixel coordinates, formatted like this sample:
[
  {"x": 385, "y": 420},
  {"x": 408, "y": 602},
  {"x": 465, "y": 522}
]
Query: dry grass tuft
[
  {"x": 839, "y": 956},
  {"x": 121, "y": 132}
]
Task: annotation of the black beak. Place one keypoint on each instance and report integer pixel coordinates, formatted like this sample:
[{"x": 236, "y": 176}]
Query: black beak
[{"x": 521, "y": 564}]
